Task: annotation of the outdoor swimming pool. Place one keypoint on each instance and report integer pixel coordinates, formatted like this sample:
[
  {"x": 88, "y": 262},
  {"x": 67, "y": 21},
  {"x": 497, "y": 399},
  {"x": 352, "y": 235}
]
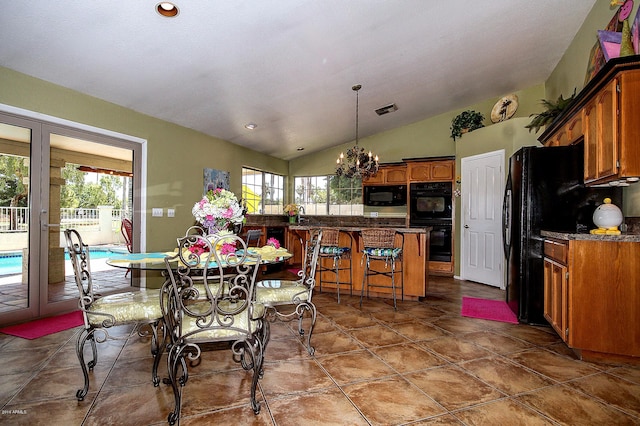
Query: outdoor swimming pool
[{"x": 11, "y": 263}]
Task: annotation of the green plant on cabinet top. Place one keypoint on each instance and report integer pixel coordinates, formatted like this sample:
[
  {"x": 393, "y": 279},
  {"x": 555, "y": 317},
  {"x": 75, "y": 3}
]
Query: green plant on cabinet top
[{"x": 464, "y": 122}]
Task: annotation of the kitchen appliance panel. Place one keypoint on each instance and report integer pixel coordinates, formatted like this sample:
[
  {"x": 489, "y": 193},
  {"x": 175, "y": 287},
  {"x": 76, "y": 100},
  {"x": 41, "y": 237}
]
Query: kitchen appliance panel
[{"x": 544, "y": 191}]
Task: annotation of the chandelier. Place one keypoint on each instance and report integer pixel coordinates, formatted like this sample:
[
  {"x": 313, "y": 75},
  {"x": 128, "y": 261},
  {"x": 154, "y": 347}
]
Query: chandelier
[{"x": 357, "y": 163}]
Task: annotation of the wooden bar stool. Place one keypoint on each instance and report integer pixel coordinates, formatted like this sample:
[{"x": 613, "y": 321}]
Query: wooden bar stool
[
  {"x": 379, "y": 245},
  {"x": 331, "y": 249}
]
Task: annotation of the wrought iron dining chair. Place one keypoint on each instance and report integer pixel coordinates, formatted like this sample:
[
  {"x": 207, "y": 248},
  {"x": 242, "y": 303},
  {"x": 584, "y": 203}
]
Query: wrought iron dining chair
[
  {"x": 340, "y": 255},
  {"x": 225, "y": 312},
  {"x": 380, "y": 250},
  {"x": 278, "y": 294},
  {"x": 101, "y": 313}
]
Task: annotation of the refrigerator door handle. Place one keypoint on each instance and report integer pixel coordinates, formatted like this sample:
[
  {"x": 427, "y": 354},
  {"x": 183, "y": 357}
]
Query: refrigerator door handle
[{"x": 506, "y": 221}]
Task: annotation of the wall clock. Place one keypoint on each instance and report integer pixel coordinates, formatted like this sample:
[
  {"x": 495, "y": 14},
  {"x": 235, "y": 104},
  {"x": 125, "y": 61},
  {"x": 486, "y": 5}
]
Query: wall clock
[{"x": 504, "y": 108}]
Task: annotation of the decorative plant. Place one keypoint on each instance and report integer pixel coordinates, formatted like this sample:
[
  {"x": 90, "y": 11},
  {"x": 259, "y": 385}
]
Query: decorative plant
[
  {"x": 554, "y": 109},
  {"x": 466, "y": 121}
]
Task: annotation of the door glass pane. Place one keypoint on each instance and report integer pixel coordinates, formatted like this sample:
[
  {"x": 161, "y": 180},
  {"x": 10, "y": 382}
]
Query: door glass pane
[
  {"x": 15, "y": 145},
  {"x": 90, "y": 191}
]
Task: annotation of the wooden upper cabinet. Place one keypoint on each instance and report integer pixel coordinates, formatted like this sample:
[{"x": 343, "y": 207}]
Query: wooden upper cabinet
[
  {"x": 605, "y": 115},
  {"x": 601, "y": 135},
  {"x": 392, "y": 174},
  {"x": 431, "y": 171}
]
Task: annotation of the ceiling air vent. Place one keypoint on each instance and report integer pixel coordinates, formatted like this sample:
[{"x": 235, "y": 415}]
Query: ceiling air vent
[{"x": 386, "y": 109}]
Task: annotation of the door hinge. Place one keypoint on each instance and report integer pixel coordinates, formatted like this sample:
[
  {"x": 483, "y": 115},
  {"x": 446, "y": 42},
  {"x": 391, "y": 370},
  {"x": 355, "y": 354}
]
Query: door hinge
[
  {"x": 566, "y": 276},
  {"x": 566, "y": 332},
  {"x": 618, "y": 88}
]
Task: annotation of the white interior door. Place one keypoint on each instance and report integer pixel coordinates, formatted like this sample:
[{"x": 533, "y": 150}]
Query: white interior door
[{"x": 482, "y": 191}]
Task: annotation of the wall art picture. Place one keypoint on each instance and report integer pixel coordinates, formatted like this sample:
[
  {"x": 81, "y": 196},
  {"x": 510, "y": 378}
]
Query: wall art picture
[
  {"x": 610, "y": 43},
  {"x": 214, "y": 179}
]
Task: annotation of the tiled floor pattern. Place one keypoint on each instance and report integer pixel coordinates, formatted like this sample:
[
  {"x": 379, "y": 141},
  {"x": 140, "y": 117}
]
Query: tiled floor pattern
[{"x": 424, "y": 364}]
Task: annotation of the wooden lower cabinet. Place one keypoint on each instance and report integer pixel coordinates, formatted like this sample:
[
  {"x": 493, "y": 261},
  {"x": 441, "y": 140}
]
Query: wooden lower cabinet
[
  {"x": 592, "y": 296},
  {"x": 415, "y": 263}
]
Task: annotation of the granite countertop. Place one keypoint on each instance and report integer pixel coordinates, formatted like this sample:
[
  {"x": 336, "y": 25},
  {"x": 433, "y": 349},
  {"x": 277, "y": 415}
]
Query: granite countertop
[
  {"x": 624, "y": 237},
  {"x": 360, "y": 228}
]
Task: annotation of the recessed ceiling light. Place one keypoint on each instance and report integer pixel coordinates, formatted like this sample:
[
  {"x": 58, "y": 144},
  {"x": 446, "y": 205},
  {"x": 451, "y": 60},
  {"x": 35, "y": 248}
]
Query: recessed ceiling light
[
  {"x": 250, "y": 126},
  {"x": 167, "y": 9}
]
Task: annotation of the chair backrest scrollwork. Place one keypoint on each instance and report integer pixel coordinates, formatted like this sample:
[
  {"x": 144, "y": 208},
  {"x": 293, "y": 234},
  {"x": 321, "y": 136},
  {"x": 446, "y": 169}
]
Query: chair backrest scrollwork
[{"x": 222, "y": 304}]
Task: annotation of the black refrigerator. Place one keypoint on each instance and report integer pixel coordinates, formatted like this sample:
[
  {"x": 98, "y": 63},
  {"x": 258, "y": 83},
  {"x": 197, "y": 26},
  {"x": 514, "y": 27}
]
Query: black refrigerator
[{"x": 544, "y": 191}]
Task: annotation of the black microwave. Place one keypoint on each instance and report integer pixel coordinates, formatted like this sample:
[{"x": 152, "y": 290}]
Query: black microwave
[{"x": 385, "y": 195}]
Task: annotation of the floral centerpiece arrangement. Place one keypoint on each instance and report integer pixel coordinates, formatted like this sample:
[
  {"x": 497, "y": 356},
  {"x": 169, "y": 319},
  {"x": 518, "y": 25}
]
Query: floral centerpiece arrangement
[
  {"x": 219, "y": 210},
  {"x": 292, "y": 211}
]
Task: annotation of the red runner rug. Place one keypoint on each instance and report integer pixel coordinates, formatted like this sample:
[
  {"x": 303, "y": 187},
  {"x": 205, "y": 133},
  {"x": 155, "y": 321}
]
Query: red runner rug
[
  {"x": 42, "y": 327},
  {"x": 494, "y": 310}
]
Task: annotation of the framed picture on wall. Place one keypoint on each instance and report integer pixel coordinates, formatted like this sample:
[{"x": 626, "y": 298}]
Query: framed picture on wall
[{"x": 214, "y": 179}]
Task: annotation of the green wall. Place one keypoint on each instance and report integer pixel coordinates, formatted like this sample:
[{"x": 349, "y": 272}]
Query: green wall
[{"x": 176, "y": 155}]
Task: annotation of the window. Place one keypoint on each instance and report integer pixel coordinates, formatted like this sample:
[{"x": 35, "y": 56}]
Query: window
[
  {"x": 262, "y": 192},
  {"x": 333, "y": 195}
]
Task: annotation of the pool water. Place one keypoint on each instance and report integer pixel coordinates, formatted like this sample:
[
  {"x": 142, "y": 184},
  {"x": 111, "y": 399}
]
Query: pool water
[{"x": 11, "y": 263}]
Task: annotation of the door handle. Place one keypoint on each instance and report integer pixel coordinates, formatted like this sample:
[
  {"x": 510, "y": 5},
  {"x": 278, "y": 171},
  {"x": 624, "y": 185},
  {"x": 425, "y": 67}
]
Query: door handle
[{"x": 466, "y": 226}]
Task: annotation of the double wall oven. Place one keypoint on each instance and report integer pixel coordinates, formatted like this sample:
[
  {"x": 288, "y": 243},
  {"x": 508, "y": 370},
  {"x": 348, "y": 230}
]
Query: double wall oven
[{"x": 431, "y": 206}]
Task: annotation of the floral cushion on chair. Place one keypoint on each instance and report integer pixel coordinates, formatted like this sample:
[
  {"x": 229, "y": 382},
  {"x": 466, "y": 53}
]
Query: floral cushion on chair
[
  {"x": 281, "y": 291},
  {"x": 383, "y": 252},
  {"x": 332, "y": 250},
  {"x": 126, "y": 307}
]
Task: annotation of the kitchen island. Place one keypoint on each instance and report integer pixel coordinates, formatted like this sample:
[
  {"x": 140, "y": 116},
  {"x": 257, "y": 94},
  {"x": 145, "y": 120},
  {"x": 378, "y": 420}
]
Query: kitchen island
[
  {"x": 415, "y": 263},
  {"x": 592, "y": 293}
]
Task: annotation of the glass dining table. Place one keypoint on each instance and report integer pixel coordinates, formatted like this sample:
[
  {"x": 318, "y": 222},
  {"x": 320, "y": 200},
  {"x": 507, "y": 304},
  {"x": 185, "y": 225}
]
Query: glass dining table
[{"x": 154, "y": 261}]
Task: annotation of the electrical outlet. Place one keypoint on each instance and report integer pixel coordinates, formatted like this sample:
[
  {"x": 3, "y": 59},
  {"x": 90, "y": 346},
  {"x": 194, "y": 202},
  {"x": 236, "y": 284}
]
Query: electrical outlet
[
  {"x": 156, "y": 212},
  {"x": 171, "y": 212},
  {"x": 373, "y": 214}
]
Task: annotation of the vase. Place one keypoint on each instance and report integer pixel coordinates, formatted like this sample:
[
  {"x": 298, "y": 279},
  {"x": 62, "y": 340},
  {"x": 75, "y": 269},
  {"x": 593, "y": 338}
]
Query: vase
[{"x": 293, "y": 219}]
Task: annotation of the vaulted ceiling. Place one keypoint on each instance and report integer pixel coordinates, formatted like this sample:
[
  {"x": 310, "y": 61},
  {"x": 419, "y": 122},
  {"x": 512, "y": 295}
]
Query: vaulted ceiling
[{"x": 288, "y": 65}]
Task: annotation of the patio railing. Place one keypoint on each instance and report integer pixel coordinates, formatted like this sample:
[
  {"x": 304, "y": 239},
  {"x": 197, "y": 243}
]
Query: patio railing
[{"x": 16, "y": 219}]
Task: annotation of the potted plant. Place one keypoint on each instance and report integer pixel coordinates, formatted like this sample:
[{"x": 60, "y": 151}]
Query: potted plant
[
  {"x": 466, "y": 121},
  {"x": 554, "y": 109}
]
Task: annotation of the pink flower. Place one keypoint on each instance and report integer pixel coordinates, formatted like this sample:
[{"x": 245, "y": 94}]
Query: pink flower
[
  {"x": 228, "y": 248},
  {"x": 273, "y": 243}
]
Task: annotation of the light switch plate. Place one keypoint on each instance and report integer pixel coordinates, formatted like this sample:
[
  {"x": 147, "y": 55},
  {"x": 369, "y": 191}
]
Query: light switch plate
[
  {"x": 373, "y": 214},
  {"x": 171, "y": 212},
  {"x": 156, "y": 212}
]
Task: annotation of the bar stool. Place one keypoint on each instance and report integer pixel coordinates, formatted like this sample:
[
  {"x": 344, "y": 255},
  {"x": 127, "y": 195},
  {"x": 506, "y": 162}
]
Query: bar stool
[
  {"x": 379, "y": 245},
  {"x": 331, "y": 249}
]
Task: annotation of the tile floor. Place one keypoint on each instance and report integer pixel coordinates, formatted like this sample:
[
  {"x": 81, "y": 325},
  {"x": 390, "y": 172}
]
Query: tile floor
[{"x": 424, "y": 364}]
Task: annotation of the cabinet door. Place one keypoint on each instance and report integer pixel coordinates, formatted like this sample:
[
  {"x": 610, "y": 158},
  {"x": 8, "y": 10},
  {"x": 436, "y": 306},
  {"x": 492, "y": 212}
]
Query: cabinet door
[
  {"x": 442, "y": 170},
  {"x": 590, "y": 142},
  {"x": 555, "y": 297},
  {"x": 375, "y": 179},
  {"x": 607, "y": 124},
  {"x": 419, "y": 172},
  {"x": 396, "y": 174}
]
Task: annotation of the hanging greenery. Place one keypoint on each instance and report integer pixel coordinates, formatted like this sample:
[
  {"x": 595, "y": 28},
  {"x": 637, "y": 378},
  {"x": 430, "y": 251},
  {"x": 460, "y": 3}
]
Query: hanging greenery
[
  {"x": 466, "y": 121},
  {"x": 553, "y": 111}
]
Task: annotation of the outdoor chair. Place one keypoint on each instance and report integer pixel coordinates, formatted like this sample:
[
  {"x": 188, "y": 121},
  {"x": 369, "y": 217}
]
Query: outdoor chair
[
  {"x": 279, "y": 294},
  {"x": 253, "y": 237},
  {"x": 126, "y": 228},
  {"x": 220, "y": 308},
  {"x": 101, "y": 313},
  {"x": 380, "y": 251}
]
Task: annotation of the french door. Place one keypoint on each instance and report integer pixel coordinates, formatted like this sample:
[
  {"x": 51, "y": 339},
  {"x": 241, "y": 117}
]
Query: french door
[{"x": 35, "y": 278}]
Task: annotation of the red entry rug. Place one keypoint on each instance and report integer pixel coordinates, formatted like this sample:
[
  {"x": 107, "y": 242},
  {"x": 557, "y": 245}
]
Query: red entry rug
[
  {"x": 42, "y": 327},
  {"x": 494, "y": 310}
]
